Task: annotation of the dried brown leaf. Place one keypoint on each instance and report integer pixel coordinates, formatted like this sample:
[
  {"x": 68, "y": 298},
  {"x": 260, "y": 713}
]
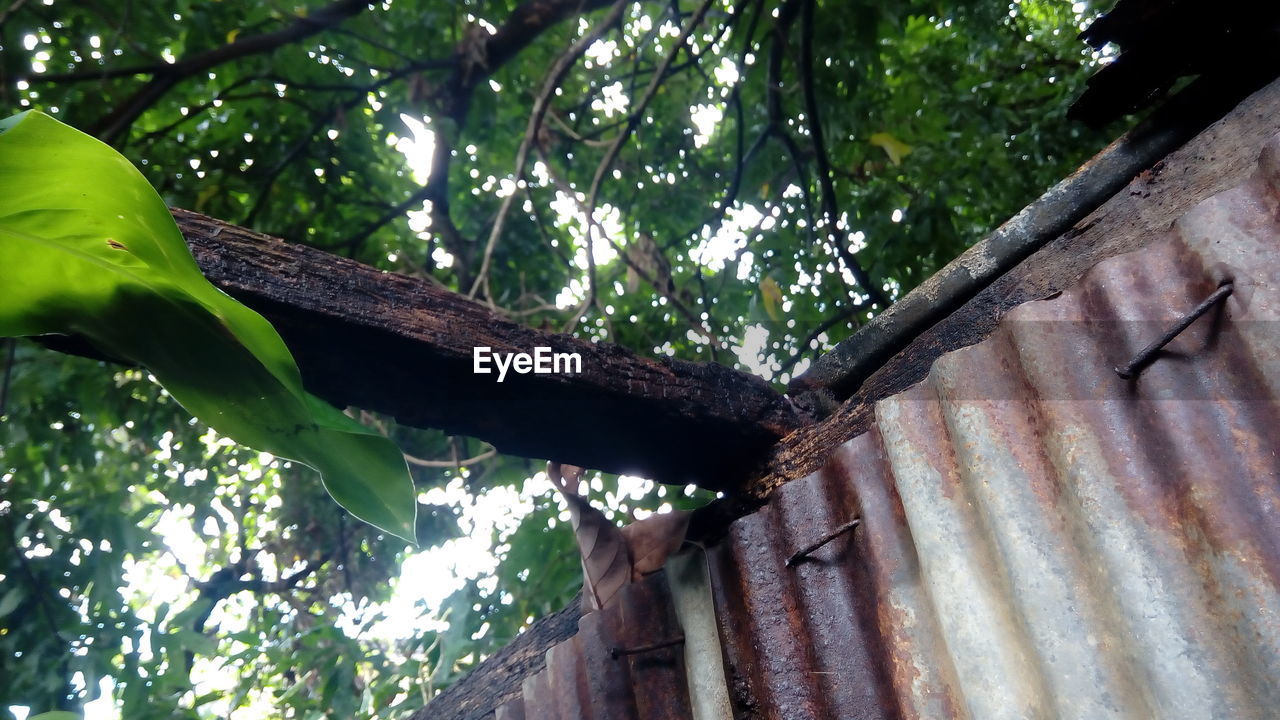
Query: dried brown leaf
[
  {"x": 606, "y": 562},
  {"x": 652, "y": 540}
]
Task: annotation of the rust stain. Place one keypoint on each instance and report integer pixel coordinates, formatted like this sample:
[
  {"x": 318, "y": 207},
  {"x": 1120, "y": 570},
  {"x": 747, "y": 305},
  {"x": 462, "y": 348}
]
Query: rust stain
[
  {"x": 587, "y": 677},
  {"x": 1037, "y": 537},
  {"x": 1040, "y": 538}
]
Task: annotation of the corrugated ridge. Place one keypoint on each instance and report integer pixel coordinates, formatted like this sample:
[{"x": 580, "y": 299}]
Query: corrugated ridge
[
  {"x": 1041, "y": 538},
  {"x": 1038, "y": 537},
  {"x": 592, "y": 675}
]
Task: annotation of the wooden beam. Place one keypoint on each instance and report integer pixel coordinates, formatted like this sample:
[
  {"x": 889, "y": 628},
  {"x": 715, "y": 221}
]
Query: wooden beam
[
  {"x": 404, "y": 347},
  {"x": 499, "y": 678}
]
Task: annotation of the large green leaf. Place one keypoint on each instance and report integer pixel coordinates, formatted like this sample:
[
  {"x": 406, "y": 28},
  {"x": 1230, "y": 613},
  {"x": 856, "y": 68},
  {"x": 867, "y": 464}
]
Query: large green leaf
[{"x": 88, "y": 248}]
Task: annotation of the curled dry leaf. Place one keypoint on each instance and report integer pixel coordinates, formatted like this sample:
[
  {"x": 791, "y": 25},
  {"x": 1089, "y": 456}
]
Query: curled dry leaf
[
  {"x": 606, "y": 564},
  {"x": 652, "y": 540},
  {"x": 612, "y": 556}
]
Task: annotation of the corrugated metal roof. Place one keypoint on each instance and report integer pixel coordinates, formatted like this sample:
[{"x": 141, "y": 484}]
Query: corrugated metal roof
[
  {"x": 1040, "y": 538},
  {"x": 613, "y": 668},
  {"x": 1037, "y": 537}
]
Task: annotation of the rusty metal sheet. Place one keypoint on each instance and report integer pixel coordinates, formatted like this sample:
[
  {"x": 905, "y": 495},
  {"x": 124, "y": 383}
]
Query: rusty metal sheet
[
  {"x": 801, "y": 641},
  {"x": 1038, "y": 537},
  {"x": 609, "y": 682},
  {"x": 625, "y": 663},
  {"x": 650, "y": 633},
  {"x": 510, "y": 710},
  {"x": 566, "y": 673}
]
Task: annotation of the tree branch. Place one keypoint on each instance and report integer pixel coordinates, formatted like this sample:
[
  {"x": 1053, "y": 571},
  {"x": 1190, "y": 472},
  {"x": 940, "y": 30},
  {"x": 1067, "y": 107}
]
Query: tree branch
[
  {"x": 436, "y": 191},
  {"x": 480, "y": 55},
  {"x": 742, "y": 157},
  {"x": 218, "y": 98},
  {"x": 803, "y": 346},
  {"x": 829, "y": 207},
  {"x": 773, "y": 104},
  {"x": 666, "y": 292},
  {"x": 634, "y": 119},
  {"x": 475, "y": 58},
  {"x": 97, "y": 74},
  {"x": 284, "y": 162},
  {"x": 612, "y": 154},
  {"x": 8, "y": 12},
  {"x": 116, "y": 123},
  {"x": 554, "y": 77}
]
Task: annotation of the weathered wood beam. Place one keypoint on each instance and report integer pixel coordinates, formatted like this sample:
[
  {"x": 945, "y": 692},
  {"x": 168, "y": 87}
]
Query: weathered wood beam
[
  {"x": 404, "y": 347},
  {"x": 499, "y": 678}
]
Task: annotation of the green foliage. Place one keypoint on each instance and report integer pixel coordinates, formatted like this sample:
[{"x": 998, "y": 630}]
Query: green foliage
[
  {"x": 88, "y": 249},
  {"x": 207, "y": 580}
]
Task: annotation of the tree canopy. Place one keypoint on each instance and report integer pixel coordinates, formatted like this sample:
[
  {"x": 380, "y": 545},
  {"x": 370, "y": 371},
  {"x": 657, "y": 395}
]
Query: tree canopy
[{"x": 736, "y": 181}]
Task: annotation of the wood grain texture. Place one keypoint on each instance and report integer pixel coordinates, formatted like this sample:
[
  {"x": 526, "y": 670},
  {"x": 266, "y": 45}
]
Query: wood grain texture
[{"x": 403, "y": 346}]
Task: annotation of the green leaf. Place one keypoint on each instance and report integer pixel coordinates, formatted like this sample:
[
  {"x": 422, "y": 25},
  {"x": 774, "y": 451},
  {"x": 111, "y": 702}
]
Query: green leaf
[
  {"x": 11, "y": 601},
  {"x": 196, "y": 642},
  {"x": 88, "y": 248},
  {"x": 892, "y": 146},
  {"x": 772, "y": 295},
  {"x": 56, "y": 715}
]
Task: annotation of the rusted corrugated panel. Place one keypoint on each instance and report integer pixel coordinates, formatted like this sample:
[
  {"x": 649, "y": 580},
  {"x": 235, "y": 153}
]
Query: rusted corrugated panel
[
  {"x": 510, "y": 710},
  {"x": 1037, "y": 537},
  {"x": 625, "y": 663},
  {"x": 801, "y": 642},
  {"x": 1040, "y": 538}
]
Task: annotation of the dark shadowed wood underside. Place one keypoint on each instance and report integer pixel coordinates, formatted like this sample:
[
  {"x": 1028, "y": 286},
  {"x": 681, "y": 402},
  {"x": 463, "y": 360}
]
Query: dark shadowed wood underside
[{"x": 403, "y": 346}]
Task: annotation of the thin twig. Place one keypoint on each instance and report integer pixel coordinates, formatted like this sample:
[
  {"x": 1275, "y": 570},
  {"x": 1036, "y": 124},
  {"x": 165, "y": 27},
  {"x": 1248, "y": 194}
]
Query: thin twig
[
  {"x": 195, "y": 111},
  {"x": 634, "y": 118},
  {"x": 573, "y": 134},
  {"x": 373, "y": 43},
  {"x": 121, "y": 118},
  {"x": 97, "y": 74},
  {"x": 694, "y": 321},
  {"x": 803, "y": 347},
  {"x": 592, "y": 284},
  {"x": 541, "y": 224},
  {"x": 554, "y": 77},
  {"x": 777, "y": 124},
  {"x": 741, "y": 159},
  {"x": 14, "y": 7},
  {"x": 435, "y": 190},
  {"x": 274, "y": 174},
  {"x": 813, "y": 117}
]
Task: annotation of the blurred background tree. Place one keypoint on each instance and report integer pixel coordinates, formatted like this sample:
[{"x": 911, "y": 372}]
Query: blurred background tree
[{"x": 760, "y": 177}]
